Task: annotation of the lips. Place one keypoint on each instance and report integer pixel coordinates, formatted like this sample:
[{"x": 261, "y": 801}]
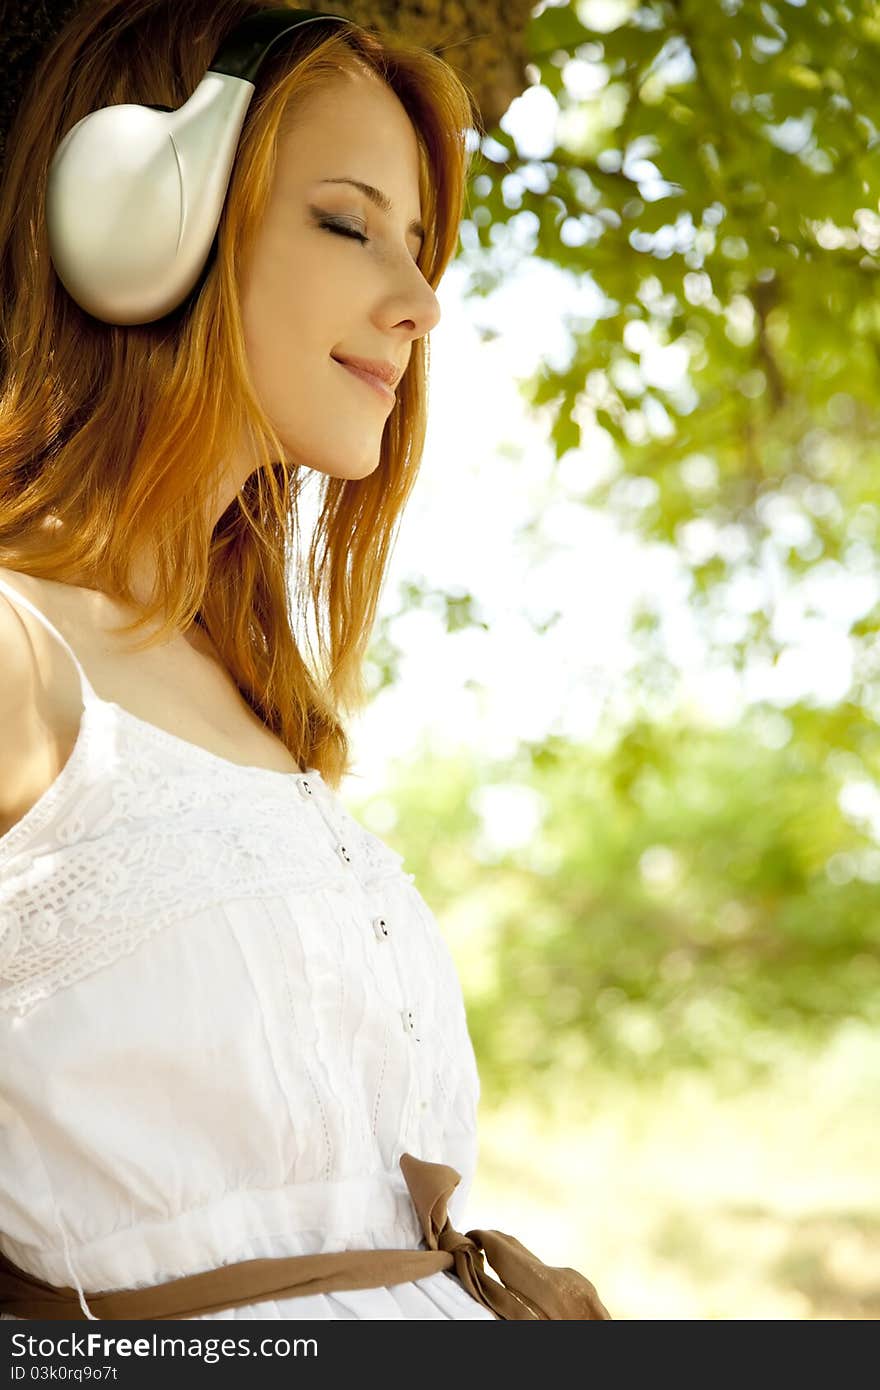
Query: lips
[
  {"x": 386, "y": 371},
  {"x": 380, "y": 387}
]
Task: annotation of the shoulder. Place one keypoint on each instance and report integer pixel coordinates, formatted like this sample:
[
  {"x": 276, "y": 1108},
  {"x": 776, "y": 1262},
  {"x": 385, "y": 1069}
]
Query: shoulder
[
  {"x": 26, "y": 646},
  {"x": 62, "y": 605},
  {"x": 21, "y": 743},
  {"x": 29, "y": 737},
  {"x": 16, "y": 640}
]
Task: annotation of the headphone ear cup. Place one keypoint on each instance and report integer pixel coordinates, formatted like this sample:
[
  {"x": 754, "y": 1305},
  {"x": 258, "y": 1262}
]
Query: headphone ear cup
[
  {"x": 134, "y": 196},
  {"x": 190, "y": 298},
  {"x": 135, "y": 193},
  {"x": 115, "y": 205}
]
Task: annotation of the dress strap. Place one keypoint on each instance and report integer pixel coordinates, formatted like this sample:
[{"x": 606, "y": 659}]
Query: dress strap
[{"x": 88, "y": 691}]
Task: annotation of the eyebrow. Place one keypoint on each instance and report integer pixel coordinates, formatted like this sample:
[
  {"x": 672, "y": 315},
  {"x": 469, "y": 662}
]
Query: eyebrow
[{"x": 379, "y": 200}]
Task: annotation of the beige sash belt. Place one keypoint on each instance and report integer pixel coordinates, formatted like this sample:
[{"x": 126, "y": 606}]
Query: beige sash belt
[{"x": 528, "y": 1288}]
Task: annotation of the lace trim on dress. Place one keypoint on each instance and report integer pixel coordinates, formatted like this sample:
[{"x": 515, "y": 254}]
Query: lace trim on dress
[
  {"x": 142, "y": 828},
  {"x": 129, "y": 850}
]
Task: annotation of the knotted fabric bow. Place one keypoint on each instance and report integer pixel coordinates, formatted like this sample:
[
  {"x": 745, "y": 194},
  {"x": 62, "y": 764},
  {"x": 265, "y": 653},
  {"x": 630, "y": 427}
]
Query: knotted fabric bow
[{"x": 529, "y": 1289}]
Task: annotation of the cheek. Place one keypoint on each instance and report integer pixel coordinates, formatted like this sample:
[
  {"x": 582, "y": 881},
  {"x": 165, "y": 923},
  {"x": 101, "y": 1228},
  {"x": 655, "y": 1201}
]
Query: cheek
[
  {"x": 299, "y": 301},
  {"x": 286, "y": 346},
  {"x": 293, "y": 317},
  {"x": 274, "y": 318}
]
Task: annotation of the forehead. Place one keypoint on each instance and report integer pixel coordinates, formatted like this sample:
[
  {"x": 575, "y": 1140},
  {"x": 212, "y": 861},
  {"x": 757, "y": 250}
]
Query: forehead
[{"x": 355, "y": 118}]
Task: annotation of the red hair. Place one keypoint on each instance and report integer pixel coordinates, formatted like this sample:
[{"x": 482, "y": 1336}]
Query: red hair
[{"x": 111, "y": 429}]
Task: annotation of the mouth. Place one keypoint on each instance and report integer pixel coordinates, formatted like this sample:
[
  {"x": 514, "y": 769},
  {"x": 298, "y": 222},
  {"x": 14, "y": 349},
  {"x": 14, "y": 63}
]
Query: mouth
[{"x": 380, "y": 387}]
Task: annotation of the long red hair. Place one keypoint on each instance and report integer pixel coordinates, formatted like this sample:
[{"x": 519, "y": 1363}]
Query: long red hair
[{"x": 119, "y": 432}]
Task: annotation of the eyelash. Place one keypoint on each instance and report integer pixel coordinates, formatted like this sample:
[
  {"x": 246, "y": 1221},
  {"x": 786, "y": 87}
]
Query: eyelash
[{"x": 343, "y": 230}]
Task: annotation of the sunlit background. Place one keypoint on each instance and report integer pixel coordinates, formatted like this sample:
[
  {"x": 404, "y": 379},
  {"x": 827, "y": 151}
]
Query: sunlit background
[{"x": 625, "y": 720}]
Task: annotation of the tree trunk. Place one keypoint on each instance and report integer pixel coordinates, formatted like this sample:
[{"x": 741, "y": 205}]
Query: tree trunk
[{"x": 483, "y": 40}]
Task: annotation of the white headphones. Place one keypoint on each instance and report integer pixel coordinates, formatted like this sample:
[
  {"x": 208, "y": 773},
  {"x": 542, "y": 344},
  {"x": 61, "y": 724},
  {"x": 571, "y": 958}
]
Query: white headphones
[{"x": 135, "y": 193}]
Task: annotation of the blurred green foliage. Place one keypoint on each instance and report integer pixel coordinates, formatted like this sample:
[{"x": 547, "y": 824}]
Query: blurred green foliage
[
  {"x": 715, "y": 176},
  {"x": 679, "y": 898},
  {"x": 690, "y": 896}
]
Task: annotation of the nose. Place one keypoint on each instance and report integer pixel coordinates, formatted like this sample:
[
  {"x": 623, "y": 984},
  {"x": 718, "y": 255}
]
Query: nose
[{"x": 419, "y": 302}]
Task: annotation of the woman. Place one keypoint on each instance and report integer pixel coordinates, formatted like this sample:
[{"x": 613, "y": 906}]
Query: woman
[{"x": 232, "y": 1031}]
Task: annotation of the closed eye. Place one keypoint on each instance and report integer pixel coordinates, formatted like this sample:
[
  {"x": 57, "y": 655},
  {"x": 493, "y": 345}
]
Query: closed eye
[{"x": 343, "y": 229}]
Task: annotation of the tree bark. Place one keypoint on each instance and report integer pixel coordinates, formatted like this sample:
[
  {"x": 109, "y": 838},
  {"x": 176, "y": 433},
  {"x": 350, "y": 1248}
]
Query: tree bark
[{"x": 483, "y": 40}]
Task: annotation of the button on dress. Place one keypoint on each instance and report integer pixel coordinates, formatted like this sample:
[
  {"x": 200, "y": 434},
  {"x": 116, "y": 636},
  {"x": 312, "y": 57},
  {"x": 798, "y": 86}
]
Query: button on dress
[{"x": 225, "y": 1013}]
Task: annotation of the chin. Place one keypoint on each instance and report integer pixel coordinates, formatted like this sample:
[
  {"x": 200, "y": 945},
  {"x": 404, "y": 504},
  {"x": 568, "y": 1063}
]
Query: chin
[
  {"x": 348, "y": 469},
  {"x": 353, "y": 462},
  {"x": 369, "y": 467}
]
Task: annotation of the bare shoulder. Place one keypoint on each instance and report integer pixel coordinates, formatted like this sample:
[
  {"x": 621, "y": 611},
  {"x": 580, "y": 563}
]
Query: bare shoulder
[
  {"x": 28, "y": 745},
  {"x": 17, "y": 655}
]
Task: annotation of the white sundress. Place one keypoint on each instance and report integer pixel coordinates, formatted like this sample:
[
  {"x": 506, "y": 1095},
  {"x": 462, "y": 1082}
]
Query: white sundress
[{"x": 225, "y": 1013}]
